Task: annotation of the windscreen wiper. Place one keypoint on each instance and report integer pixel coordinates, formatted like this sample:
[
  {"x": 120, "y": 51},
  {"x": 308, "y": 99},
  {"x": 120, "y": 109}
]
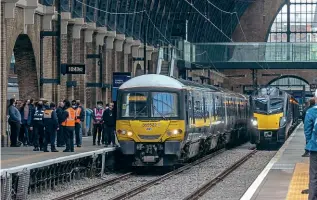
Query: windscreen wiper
[
  {"x": 159, "y": 112},
  {"x": 135, "y": 116}
]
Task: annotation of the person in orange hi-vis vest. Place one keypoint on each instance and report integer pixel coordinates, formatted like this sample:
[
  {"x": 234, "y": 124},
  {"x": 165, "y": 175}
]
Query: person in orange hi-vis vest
[
  {"x": 68, "y": 118},
  {"x": 97, "y": 122}
]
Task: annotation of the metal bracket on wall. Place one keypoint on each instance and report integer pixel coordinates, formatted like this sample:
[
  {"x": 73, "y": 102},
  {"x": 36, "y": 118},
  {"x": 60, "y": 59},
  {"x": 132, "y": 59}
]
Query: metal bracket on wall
[
  {"x": 91, "y": 56},
  {"x": 48, "y": 33},
  {"x": 71, "y": 84},
  {"x": 93, "y": 85},
  {"x": 100, "y": 57},
  {"x": 49, "y": 81},
  {"x": 137, "y": 59},
  {"x": 106, "y": 85}
]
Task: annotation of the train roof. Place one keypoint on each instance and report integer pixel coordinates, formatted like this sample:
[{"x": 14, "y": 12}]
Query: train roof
[
  {"x": 157, "y": 80},
  {"x": 152, "y": 80}
]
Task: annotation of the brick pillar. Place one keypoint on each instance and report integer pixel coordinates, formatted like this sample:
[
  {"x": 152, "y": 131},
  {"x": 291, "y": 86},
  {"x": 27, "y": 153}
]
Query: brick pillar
[
  {"x": 70, "y": 51},
  {"x": 153, "y": 63},
  {"x": 3, "y": 80},
  {"x": 90, "y": 75},
  {"x": 130, "y": 64},
  {"x": 64, "y": 57},
  {"x": 107, "y": 74},
  {"x": 48, "y": 67}
]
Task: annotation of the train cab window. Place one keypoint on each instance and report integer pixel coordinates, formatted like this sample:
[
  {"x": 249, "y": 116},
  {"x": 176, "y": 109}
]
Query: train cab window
[
  {"x": 134, "y": 104},
  {"x": 276, "y": 105},
  {"x": 260, "y": 105},
  {"x": 164, "y": 104}
]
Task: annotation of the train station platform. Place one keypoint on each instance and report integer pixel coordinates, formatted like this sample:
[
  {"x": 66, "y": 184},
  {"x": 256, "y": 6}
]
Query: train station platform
[
  {"x": 18, "y": 156},
  {"x": 26, "y": 171},
  {"x": 286, "y": 175}
]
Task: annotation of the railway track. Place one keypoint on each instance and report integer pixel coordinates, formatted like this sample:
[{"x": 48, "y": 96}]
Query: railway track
[
  {"x": 211, "y": 183},
  {"x": 134, "y": 191},
  {"x": 93, "y": 188}
]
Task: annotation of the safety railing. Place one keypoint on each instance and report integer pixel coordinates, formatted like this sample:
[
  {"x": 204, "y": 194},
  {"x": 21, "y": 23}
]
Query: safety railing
[
  {"x": 249, "y": 52},
  {"x": 18, "y": 182}
]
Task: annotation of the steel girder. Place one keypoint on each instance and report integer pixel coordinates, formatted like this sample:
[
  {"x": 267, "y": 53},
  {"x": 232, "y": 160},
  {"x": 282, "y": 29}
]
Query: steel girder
[{"x": 163, "y": 13}]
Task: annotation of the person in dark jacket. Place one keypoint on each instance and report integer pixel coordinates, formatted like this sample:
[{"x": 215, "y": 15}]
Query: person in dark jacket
[
  {"x": 310, "y": 130},
  {"x": 38, "y": 126},
  {"x": 51, "y": 125},
  {"x": 14, "y": 122},
  {"x": 80, "y": 117},
  {"x": 26, "y": 114},
  {"x": 109, "y": 125},
  {"x": 60, "y": 135},
  {"x": 311, "y": 104}
]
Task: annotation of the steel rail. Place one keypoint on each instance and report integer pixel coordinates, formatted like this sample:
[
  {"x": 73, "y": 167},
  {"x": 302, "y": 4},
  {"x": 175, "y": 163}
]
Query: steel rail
[
  {"x": 93, "y": 188},
  {"x": 143, "y": 187},
  {"x": 211, "y": 183}
]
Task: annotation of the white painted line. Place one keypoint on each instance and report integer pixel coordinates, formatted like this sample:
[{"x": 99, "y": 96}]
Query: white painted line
[{"x": 252, "y": 189}]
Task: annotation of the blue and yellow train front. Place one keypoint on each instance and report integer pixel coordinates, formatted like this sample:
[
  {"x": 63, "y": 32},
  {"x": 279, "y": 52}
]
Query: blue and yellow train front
[
  {"x": 149, "y": 128},
  {"x": 269, "y": 123},
  {"x": 267, "y": 128}
]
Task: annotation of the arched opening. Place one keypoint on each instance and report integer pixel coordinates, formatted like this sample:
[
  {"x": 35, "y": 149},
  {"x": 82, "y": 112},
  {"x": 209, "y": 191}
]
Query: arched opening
[
  {"x": 293, "y": 85},
  {"x": 296, "y": 22},
  {"x": 22, "y": 73}
]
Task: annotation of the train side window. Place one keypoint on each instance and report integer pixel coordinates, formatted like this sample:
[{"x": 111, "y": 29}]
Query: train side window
[
  {"x": 204, "y": 109},
  {"x": 187, "y": 104},
  {"x": 193, "y": 110}
]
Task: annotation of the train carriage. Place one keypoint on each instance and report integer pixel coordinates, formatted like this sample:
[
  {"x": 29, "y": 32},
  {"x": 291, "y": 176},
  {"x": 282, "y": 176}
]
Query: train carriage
[
  {"x": 275, "y": 115},
  {"x": 162, "y": 121}
]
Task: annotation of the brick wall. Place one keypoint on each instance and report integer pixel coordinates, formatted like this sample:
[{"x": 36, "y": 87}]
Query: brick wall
[
  {"x": 256, "y": 21},
  {"x": 27, "y": 57}
]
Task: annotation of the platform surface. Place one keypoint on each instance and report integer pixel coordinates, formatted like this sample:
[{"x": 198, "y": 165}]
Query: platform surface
[
  {"x": 286, "y": 175},
  {"x": 17, "y": 156}
]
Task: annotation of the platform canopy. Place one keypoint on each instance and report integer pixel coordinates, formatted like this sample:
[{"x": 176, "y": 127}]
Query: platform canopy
[{"x": 164, "y": 18}]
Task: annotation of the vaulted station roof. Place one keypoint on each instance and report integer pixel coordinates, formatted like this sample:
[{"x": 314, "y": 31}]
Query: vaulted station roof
[{"x": 161, "y": 17}]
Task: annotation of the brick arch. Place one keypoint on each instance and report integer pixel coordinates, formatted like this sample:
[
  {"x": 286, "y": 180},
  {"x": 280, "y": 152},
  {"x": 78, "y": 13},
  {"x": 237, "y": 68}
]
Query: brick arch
[
  {"x": 257, "y": 20},
  {"x": 307, "y": 75},
  {"x": 26, "y": 68},
  {"x": 287, "y": 76}
]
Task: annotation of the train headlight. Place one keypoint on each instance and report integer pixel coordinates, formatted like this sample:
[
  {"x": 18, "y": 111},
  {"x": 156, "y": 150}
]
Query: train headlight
[
  {"x": 174, "y": 132},
  {"x": 254, "y": 121},
  {"x": 123, "y": 132},
  {"x": 129, "y": 133},
  {"x": 283, "y": 121}
]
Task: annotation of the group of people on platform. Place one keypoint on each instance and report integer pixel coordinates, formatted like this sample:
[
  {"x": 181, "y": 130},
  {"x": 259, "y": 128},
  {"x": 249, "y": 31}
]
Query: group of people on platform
[
  {"x": 310, "y": 130},
  {"x": 36, "y": 124}
]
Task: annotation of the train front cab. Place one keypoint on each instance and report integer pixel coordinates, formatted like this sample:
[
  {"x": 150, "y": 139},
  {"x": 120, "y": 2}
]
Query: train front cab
[
  {"x": 271, "y": 120},
  {"x": 150, "y": 125}
]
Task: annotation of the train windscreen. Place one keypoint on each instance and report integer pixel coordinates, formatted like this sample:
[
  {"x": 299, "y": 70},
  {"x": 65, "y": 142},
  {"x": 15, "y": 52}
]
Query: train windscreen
[
  {"x": 260, "y": 105},
  {"x": 160, "y": 105},
  {"x": 266, "y": 105},
  {"x": 276, "y": 105}
]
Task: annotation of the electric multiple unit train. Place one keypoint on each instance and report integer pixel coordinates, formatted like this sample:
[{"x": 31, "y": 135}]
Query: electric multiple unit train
[
  {"x": 275, "y": 114},
  {"x": 162, "y": 121}
]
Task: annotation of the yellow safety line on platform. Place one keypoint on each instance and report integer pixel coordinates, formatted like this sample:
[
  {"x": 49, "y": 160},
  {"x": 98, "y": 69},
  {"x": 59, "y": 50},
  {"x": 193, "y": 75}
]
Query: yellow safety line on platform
[{"x": 299, "y": 182}]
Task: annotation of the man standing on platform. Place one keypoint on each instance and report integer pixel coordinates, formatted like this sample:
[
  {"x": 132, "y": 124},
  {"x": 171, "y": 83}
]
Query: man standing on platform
[
  {"x": 109, "y": 126},
  {"x": 80, "y": 117},
  {"x": 60, "y": 135},
  {"x": 311, "y": 104},
  {"x": 97, "y": 121},
  {"x": 51, "y": 125},
  {"x": 68, "y": 124},
  {"x": 310, "y": 130}
]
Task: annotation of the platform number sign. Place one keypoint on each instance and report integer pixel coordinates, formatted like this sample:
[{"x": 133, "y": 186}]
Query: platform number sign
[{"x": 73, "y": 69}]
